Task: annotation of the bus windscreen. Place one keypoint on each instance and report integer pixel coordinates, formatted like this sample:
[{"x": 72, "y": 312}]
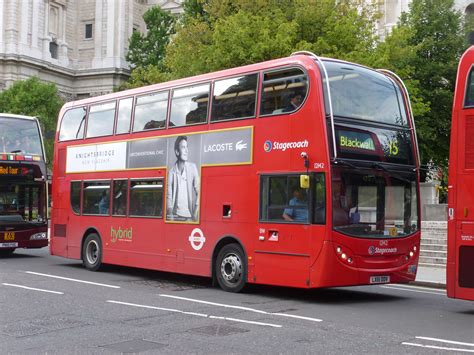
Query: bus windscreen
[
  {"x": 20, "y": 136},
  {"x": 364, "y": 94}
]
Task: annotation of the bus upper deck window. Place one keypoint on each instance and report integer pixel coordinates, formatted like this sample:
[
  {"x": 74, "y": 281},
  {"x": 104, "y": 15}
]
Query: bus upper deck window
[
  {"x": 72, "y": 124},
  {"x": 150, "y": 111},
  {"x": 101, "y": 120},
  {"x": 189, "y": 105},
  {"x": 234, "y": 98},
  {"x": 283, "y": 91},
  {"x": 469, "y": 101}
]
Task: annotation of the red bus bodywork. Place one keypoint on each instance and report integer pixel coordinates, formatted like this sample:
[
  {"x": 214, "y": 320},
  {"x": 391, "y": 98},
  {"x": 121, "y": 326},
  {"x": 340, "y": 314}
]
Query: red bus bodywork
[
  {"x": 460, "y": 264},
  {"x": 296, "y": 255}
]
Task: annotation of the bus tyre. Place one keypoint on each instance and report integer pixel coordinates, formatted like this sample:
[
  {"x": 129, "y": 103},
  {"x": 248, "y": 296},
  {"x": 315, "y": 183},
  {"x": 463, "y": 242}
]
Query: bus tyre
[
  {"x": 6, "y": 252},
  {"x": 92, "y": 252},
  {"x": 231, "y": 268}
]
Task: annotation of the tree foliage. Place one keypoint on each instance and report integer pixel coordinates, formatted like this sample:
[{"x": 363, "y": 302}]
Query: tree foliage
[
  {"x": 34, "y": 98},
  {"x": 149, "y": 49},
  {"x": 437, "y": 42}
]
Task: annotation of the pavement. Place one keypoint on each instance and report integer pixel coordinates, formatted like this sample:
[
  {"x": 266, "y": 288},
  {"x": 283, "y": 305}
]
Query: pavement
[{"x": 431, "y": 277}]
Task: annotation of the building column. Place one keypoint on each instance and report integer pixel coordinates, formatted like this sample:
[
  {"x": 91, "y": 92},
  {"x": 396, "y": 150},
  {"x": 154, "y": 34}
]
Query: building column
[
  {"x": 2, "y": 27},
  {"x": 24, "y": 19},
  {"x": 110, "y": 33},
  {"x": 97, "y": 31}
]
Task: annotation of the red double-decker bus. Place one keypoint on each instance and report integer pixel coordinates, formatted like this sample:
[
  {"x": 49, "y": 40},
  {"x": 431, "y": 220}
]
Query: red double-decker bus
[
  {"x": 23, "y": 185},
  {"x": 298, "y": 172},
  {"x": 460, "y": 264}
]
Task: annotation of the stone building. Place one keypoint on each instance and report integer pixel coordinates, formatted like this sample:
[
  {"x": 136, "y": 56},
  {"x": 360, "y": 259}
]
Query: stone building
[
  {"x": 78, "y": 44},
  {"x": 81, "y": 44}
]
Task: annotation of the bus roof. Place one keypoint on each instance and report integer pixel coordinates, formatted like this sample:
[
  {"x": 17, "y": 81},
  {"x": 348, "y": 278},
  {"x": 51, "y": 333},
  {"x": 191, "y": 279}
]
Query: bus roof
[{"x": 22, "y": 117}]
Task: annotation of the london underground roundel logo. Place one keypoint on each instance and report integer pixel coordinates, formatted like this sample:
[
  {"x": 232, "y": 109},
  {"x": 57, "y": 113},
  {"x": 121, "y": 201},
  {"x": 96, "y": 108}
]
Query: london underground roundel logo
[
  {"x": 197, "y": 239},
  {"x": 267, "y": 146}
]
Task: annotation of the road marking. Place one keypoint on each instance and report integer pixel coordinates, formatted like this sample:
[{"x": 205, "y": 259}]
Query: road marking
[
  {"x": 241, "y": 308},
  {"x": 439, "y": 347},
  {"x": 69, "y": 279},
  {"x": 195, "y": 314},
  {"x": 406, "y": 289},
  {"x": 417, "y": 288},
  {"x": 33, "y": 289},
  {"x": 446, "y": 341}
]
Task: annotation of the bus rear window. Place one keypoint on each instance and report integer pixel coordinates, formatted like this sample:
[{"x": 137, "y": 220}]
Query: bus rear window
[
  {"x": 283, "y": 91},
  {"x": 72, "y": 124}
]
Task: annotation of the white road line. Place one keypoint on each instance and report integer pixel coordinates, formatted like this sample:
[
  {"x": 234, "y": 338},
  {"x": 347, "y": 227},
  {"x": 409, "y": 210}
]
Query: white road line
[
  {"x": 408, "y": 290},
  {"x": 195, "y": 314},
  {"x": 439, "y": 347},
  {"x": 69, "y": 279},
  {"x": 417, "y": 288},
  {"x": 446, "y": 341},
  {"x": 33, "y": 289},
  {"x": 241, "y": 308}
]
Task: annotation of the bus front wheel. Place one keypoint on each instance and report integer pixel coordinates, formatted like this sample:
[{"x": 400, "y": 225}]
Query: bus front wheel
[
  {"x": 231, "y": 269},
  {"x": 92, "y": 252}
]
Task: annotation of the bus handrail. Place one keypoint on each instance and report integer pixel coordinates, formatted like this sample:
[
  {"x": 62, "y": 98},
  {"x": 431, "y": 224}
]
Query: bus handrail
[
  {"x": 326, "y": 77},
  {"x": 400, "y": 81}
]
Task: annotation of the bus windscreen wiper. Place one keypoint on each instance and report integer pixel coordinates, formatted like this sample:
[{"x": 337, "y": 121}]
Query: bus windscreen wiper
[{"x": 345, "y": 163}]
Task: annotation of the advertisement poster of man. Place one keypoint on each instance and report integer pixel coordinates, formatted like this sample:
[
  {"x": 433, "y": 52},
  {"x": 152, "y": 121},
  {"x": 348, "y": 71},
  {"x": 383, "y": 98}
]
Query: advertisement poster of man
[{"x": 183, "y": 183}]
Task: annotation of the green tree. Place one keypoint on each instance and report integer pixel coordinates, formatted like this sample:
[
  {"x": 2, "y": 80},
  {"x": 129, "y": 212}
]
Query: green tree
[
  {"x": 438, "y": 41},
  {"x": 237, "y": 32},
  {"x": 149, "y": 49},
  {"x": 34, "y": 98}
]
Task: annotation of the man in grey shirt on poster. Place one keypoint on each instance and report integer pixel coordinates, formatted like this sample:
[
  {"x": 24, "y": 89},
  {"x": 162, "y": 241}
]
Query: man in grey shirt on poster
[{"x": 182, "y": 193}]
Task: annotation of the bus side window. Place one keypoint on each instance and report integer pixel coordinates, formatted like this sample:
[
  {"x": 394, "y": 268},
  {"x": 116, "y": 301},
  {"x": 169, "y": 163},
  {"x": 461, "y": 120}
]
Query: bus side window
[
  {"x": 234, "y": 98},
  {"x": 101, "y": 120},
  {"x": 76, "y": 197},
  {"x": 150, "y": 111},
  {"x": 283, "y": 91},
  {"x": 124, "y": 115},
  {"x": 119, "y": 200},
  {"x": 189, "y": 105},
  {"x": 72, "y": 124},
  {"x": 319, "y": 198},
  {"x": 146, "y": 198},
  {"x": 282, "y": 199},
  {"x": 96, "y": 197},
  {"x": 469, "y": 101}
]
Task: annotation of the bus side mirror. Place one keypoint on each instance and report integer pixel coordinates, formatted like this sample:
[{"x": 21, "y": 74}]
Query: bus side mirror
[{"x": 304, "y": 181}]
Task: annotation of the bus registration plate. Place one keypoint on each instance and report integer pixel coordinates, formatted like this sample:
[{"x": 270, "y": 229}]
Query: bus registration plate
[
  {"x": 379, "y": 279},
  {"x": 8, "y": 245}
]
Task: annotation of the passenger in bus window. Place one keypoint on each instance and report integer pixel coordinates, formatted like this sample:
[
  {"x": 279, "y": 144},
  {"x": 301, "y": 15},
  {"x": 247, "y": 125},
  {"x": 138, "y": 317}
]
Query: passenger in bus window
[
  {"x": 295, "y": 102},
  {"x": 299, "y": 210},
  {"x": 104, "y": 203},
  {"x": 182, "y": 193}
]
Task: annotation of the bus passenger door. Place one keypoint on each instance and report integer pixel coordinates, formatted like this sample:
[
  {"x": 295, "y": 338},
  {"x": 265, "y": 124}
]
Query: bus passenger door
[{"x": 282, "y": 249}]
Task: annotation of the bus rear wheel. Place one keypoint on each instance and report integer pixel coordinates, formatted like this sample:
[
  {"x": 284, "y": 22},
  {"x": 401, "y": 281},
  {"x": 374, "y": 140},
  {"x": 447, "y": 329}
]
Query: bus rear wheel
[
  {"x": 231, "y": 269},
  {"x": 92, "y": 252}
]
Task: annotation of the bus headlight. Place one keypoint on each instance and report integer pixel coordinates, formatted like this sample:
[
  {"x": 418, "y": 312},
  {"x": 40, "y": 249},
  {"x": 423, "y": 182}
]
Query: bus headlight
[{"x": 39, "y": 236}]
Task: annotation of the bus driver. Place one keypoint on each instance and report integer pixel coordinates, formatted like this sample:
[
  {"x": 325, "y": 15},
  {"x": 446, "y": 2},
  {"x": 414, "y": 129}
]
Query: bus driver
[{"x": 182, "y": 193}]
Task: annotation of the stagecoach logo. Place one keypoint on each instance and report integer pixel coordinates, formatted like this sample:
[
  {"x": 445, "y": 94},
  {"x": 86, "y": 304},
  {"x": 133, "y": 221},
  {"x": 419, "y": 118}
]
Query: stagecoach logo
[
  {"x": 375, "y": 250},
  {"x": 197, "y": 239},
  {"x": 268, "y": 146}
]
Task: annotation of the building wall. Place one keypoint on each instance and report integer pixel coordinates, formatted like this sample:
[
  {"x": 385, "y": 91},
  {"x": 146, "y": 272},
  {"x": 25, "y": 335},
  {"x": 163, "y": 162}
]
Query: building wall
[{"x": 47, "y": 38}]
